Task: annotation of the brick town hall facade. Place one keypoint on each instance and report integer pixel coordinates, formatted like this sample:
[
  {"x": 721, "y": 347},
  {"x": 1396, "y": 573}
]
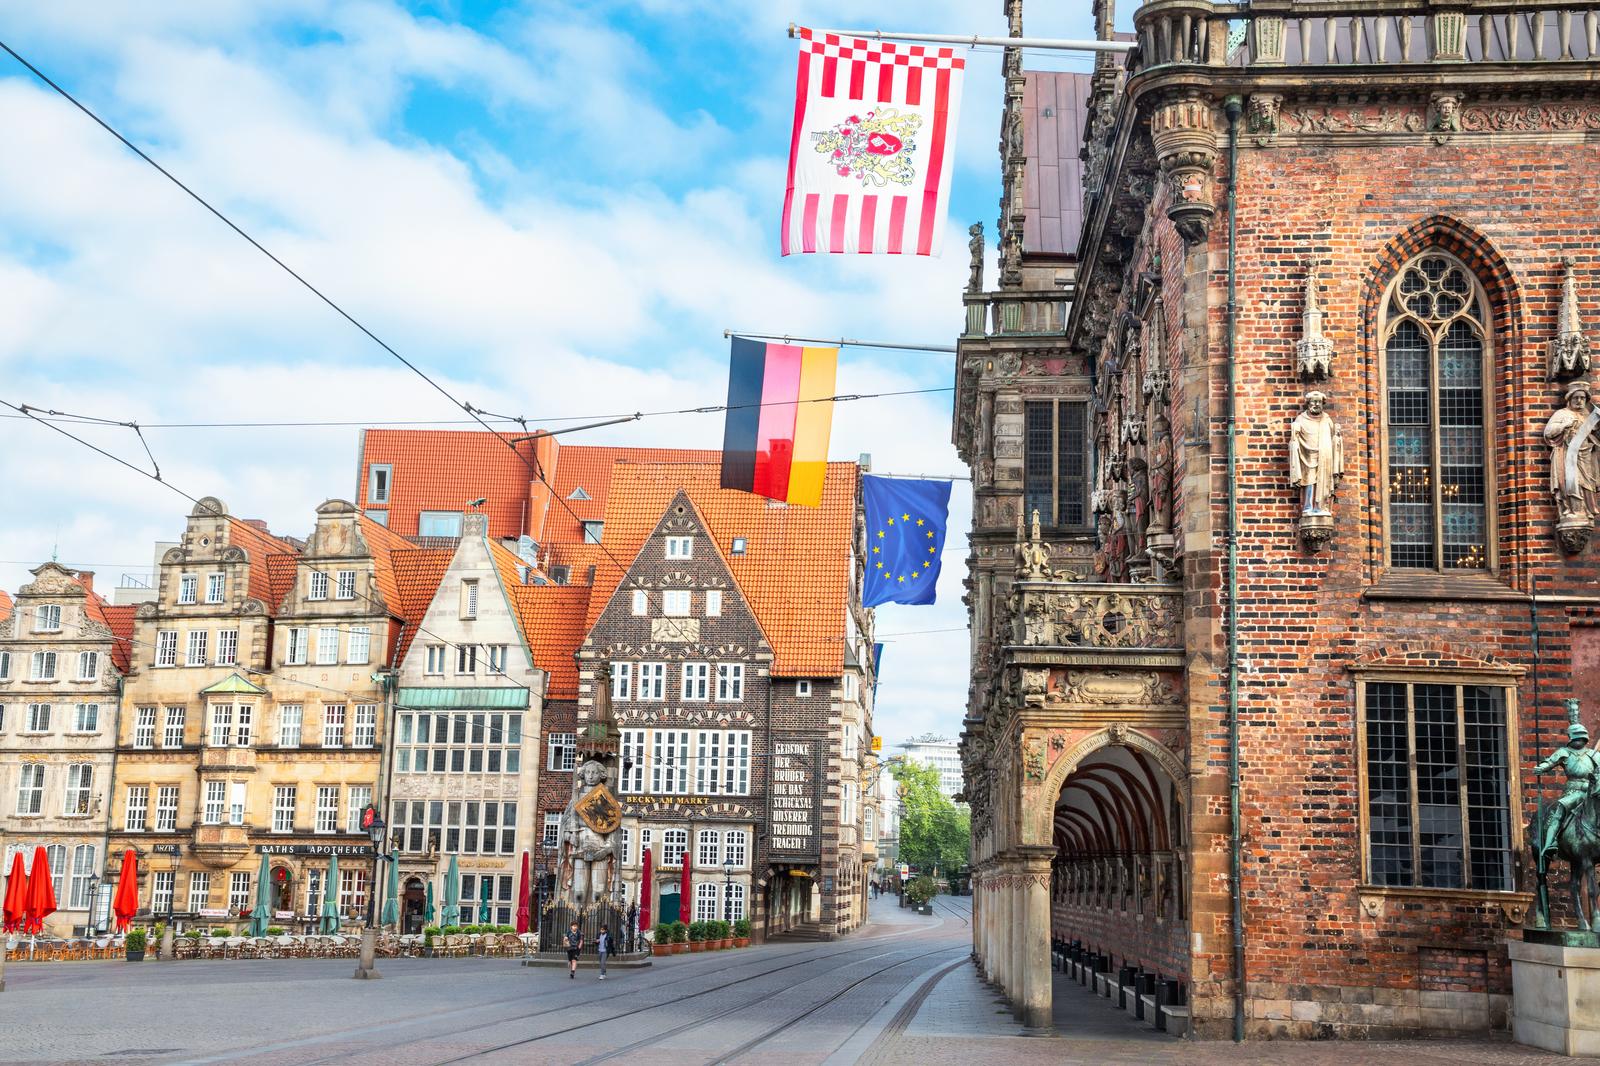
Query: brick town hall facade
[{"x": 1290, "y": 334}]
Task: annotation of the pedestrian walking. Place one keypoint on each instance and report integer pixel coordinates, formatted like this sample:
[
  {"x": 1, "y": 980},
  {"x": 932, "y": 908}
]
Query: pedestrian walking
[
  {"x": 602, "y": 945},
  {"x": 633, "y": 925},
  {"x": 574, "y": 946}
]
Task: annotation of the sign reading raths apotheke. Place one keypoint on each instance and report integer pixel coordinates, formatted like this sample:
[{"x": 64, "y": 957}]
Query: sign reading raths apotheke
[
  {"x": 341, "y": 850},
  {"x": 796, "y": 764}
]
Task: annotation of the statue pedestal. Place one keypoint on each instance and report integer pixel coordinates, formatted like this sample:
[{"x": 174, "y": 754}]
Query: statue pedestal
[
  {"x": 1316, "y": 529},
  {"x": 1555, "y": 992},
  {"x": 1573, "y": 533}
]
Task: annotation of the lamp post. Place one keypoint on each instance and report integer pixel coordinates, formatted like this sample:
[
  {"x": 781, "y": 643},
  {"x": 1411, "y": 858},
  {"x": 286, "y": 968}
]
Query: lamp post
[
  {"x": 367, "y": 967},
  {"x": 92, "y": 886},
  {"x": 727, "y": 888}
]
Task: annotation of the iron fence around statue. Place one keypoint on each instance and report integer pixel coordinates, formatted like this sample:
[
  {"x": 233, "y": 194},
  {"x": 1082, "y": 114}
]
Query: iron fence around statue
[{"x": 558, "y": 918}]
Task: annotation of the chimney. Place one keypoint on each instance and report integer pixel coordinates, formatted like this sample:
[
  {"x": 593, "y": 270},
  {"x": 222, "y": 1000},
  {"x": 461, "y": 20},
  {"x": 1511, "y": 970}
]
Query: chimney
[
  {"x": 86, "y": 579},
  {"x": 474, "y": 524},
  {"x": 258, "y": 523}
]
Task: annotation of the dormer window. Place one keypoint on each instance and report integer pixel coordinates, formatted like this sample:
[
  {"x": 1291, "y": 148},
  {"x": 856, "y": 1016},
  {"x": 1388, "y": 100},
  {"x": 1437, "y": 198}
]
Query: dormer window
[
  {"x": 592, "y": 531},
  {"x": 47, "y": 618},
  {"x": 379, "y": 480},
  {"x": 680, "y": 547}
]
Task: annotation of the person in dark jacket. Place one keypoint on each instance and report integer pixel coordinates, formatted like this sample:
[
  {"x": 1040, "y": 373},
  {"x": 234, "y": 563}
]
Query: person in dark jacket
[{"x": 574, "y": 940}]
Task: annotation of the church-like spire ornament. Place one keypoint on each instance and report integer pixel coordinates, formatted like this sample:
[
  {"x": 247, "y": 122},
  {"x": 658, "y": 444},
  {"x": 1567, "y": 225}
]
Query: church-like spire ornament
[
  {"x": 1313, "y": 352},
  {"x": 1569, "y": 348}
]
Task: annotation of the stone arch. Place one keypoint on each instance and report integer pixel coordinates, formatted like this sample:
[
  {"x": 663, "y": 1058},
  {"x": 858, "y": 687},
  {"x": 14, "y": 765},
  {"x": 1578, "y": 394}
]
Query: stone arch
[
  {"x": 1467, "y": 244},
  {"x": 1038, "y": 825}
]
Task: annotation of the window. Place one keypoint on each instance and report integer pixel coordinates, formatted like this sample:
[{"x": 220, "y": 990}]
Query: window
[
  {"x": 216, "y": 802},
  {"x": 674, "y": 842},
  {"x": 289, "y": 719},
  {"x": 1438, "y": 788},
  {"x": 734, "y": 843},
  {"x": 708, "y": 761},
  {"x": 221, "y": 724},
  {"x": 469, "y": 599},
  {"x": 627, "y": 846},
  {"x": 652, "y": 681},
  {"x": 364, "y": 731},
  {"x": 440, "y": 742},
  {"x": 714, "y": 603},
  {"x": 435, "y": 659},
  {"x": 137, "y": 813},
  {"x": 730, "y": 682},
  {"x": 466, "y": 658},
  {"x": 802, "y": 688},
  {"x": 380, "y": 518},
  {"x": 333, "y": 725},
  {"x": 188, "y": 588},
  {"x": 696, "y": 681},
  {"x": 215, "y": 584},
  {"x": 871, "y": 833},
  {"x": 327, "y": 646},
  {"x": 563, "y": 751},
  {"x": 88, "y": 718},
  {"x": 244, "y": 714},
  {"x": 295, "y": 653},
  {"x": 621, "y": 681},
  {"x": 236, "y": 800},
  {"x": 380, "y": 476},
  {"x": 167, "y": 647},
  {"x": 88, "y": 665},
  {"x": 38, "y": 718},
  {"x": 497, "y": 658},
  {"x": 1435, "y": 337},
  {"x": 44, "y": 666},
  {"x": 344, "y": 586},
  {"x": 359, "y": 797},
  {"x": 195, "y": 655},
  {"x": 641, "y": 602},
  {"x": 708, "y": 848},
  {"x": 327, "y": 808},
  {"x": 675, "y": 602},
  {"x": 30, "y": 789},
  {"x": 352, "y": 890},
  {"x": 669, "y": 761},
  {"x": 593, "y": 530},
  {"x": 739, "y": 546},
  {"x": 316, "y": 585},
  {"x": 632, "y": 760},
  {"x": 283, "y": 809},
  {"x": 852, "y": 687},
  {"x": 227, "y": 647},
  {"x": 161, "y": 891},
  {"x": 199, "y": 890},
  {"x": 848, "y": 747},
  {"x": 680, "y": 547},
  {"x": 144, "y": 727},
  {"x": 167, "y": 808},
  {"x": 57, "y": 854},
  {"x": 439, "y": 524},
  {"x": 551, "y": 830},
  {"x": 1055, "y": 462},
  {"x": 5, "y": 666},
  {"x": 847, "y": 802},
  {"x": 239, "y": 895},
  {"x": 708, "y": 901}
]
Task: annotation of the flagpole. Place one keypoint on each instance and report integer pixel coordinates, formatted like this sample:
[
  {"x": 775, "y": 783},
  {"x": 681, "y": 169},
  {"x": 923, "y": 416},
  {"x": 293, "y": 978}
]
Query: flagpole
[
  {"x": 974, "y": 40},
  {"x": 839, "y": 342}
]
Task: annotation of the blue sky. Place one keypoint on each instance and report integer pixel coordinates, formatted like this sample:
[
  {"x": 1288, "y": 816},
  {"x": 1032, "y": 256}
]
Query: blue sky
[{"x": 555, "y": 207}]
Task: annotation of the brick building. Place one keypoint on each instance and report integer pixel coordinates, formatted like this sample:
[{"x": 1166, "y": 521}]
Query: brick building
[{"x": 1265, "y": 733}]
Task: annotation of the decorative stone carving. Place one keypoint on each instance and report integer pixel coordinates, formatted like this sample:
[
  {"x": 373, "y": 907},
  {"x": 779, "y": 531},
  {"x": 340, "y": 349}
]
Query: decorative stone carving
[
  {"x": 1033, "y": 687},
  {"x": 1316, "y": 463},
  {"x": 1569, "y": 348},
  {"x": 1033, "y": 554},
  {"x": 1107, "y": 618},
  {"x": 1444, "y": 116},
  {"x": 1263, "y": 117},
  {"x": 1352, "y": 119},
  {"x": 1185, "y": 139},
  {"x": 1114, "y": 688},
  {"x": 975, "y": 248},
  {"x": 1574, "y": 467},
  {"x": 1506, "y": 118},
  {"x": 1313, "y": 352},
  {"x": 1033, "y": 761}
]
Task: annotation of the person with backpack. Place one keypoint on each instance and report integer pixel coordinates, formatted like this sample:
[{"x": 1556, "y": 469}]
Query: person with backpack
[
  {"x": 574, "y": 941},
  {"x": 602, "y": 945}
]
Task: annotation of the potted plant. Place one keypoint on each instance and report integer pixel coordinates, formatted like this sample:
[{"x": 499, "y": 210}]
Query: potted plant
[
  {"x": 920, "y": 891},
  {"x": 697, "y": 936},
  {"x": 134, "y": 945},
  {"x": 741, "y": 933},
  {"x": 275, "y": 930},
  {"x": 662, "y": 942},
  {"x": 680, "y": 938},
  {"x": 724, "y": 934},
  {"x": 428, "y": 933}
]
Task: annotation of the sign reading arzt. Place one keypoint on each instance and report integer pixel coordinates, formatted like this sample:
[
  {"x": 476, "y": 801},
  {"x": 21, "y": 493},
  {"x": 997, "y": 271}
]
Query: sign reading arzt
[{"x": 794, "y": 798}]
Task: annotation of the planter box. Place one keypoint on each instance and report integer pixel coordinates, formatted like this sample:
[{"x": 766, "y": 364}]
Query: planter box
[
  {"x": 661, "y": 949},
  {"x": 741, "y": 941},
  {"x": 680, "y": 947},
  {"x": 135, "y": 954},
  {"x": 697, "y": 945}
]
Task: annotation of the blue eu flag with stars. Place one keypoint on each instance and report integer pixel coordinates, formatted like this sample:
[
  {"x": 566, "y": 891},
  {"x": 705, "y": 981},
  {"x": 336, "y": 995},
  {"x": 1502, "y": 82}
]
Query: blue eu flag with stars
[{"x": 906, "y": 522}]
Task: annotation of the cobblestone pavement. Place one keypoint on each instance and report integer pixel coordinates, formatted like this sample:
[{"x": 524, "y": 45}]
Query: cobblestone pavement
[{"x": 900, "y": 991}]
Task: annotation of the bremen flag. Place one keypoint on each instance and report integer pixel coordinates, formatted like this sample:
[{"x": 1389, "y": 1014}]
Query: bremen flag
[
  {"x": 780, "y": 413},
  {"x": 873, "y": 146}
]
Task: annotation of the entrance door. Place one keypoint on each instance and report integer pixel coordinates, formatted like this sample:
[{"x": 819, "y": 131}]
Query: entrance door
[
  {"x": 416, "y": 902},
  {"x": 669, "y": 908}
]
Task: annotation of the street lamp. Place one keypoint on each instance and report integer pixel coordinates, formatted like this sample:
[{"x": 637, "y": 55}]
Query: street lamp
[
  {"x": 92, "y": 884},
  {"x": 727, "y": 888},
  {"x": 367, "y": 967}
]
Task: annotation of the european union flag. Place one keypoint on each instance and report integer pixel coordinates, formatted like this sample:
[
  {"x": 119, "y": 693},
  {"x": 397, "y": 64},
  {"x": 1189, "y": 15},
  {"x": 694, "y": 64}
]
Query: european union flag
[{"x": 906, "y": 522}]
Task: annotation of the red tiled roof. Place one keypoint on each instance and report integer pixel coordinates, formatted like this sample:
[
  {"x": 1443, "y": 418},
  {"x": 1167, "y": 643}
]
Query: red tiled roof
[
  {"x": 5, "y": 605},
  {"x": 383, "y": 543},
  {"x": 795, "y": 571},
  {"x": 119, "y": 618},
  {"x": 590, "y": 468},
  {"x": 444, "y": 470},
  {"x": 554, "y": 620},
  {"x": 417, "y": 573},
  {"x": 272, "y": 562}
]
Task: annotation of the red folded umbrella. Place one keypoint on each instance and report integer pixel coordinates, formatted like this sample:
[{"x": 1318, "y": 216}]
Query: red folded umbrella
[
  {"x": 522, "y": 897},
  {"x": 16, "y": 895},
  {"x": 644, "y": 893},
  {"x": 125, "y": 904},
  {"x": 41, "y": 894},
  {"x": 684, "y": 910}
]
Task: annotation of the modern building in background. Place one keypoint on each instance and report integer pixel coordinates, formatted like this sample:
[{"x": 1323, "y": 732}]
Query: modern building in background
[{"x": 941, "y": 753}]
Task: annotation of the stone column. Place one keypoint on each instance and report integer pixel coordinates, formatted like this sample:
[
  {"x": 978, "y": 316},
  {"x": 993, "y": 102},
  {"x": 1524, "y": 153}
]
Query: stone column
[
  {"x": 1033, "y": 948},
  {"x": 1009, "y": 940}
]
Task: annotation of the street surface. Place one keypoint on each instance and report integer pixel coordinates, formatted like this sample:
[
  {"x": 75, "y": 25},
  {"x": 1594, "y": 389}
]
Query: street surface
[{"x": 900, "y": 991}]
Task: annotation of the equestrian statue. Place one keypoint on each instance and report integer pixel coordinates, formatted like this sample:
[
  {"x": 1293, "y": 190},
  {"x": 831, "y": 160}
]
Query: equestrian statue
[{"x": 1570, "y": 826}]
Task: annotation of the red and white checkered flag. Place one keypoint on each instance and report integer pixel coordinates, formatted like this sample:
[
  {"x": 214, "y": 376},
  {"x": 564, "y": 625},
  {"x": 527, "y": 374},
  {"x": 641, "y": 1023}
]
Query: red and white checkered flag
[{"x": 873, "y": 146}]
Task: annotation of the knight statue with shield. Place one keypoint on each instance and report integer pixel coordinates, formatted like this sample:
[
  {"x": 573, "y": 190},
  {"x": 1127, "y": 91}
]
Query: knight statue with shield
[
  {"x": 1569, "y": 826},
  {"x": 588, "y": 842}
]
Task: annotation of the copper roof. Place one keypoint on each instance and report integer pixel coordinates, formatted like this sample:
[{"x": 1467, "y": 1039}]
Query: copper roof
[{"x": 1054, "y": 109}]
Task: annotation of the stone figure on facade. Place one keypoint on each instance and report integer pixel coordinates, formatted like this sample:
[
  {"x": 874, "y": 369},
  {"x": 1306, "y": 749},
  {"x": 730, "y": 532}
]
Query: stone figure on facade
[
  {"x": 1316, "y": 455},
  {"x": 588, "y": 841},
  {"x": 1574, "y": 467},
  {"x": 1569, "y": 348},
  {"x": 1444, "y": 116},
  {"x": 1033, "y": 554},
  {"x": 975, "y": 248},
  {"x": 1570, "y": 826}
]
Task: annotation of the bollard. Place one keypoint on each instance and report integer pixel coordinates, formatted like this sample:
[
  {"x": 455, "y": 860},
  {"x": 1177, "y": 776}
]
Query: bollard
[
  {"x": 1143, "y": 985},
  {"x": 1125, "y": 978},
  {"x": 367, "y": 966}
]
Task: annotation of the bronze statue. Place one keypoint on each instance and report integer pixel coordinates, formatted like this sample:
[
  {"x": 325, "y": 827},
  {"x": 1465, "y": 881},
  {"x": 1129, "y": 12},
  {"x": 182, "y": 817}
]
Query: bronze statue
[
  {"x": 1570, "y": 826},
  {"x": 975, "y": 249}
]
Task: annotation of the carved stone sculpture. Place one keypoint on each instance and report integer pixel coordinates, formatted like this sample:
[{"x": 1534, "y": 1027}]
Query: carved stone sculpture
[
  {"x": 1569, "y": 348},
  {"x": 588, "y": 840},
  {"x": 1444, "y": 116},
  {"x": 1184, "y": 133},
  {"x": 1313, "y": 352},
  {"x": 1033, "y": 554},
  {"x": 1316, "y": 463},
  {"x": 1263, "y": 117},
  {"x": 1574, "y": 467},
  {"x": 975, "y": 247}
]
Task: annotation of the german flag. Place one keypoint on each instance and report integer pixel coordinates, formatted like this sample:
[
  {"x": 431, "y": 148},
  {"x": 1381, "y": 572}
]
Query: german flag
[{"x": 780, "y": 415}]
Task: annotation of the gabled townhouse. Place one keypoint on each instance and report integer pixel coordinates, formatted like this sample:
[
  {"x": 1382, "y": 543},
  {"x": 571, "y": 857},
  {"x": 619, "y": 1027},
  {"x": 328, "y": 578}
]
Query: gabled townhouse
[{"x": 63, "y": 651}]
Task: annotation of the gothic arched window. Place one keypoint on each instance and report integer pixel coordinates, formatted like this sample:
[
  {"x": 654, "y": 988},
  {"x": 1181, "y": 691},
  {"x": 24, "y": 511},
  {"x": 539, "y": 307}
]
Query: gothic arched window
[{"x": 1436, "y": 349}]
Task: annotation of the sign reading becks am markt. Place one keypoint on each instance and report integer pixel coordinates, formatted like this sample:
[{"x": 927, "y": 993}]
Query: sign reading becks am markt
[{"x": 795, "y": 829}]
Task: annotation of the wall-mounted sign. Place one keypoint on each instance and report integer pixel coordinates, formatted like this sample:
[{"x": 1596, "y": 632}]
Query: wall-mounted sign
[
  {"x": 209, "y": 912},
  {"x": 796, "y": 832},
  {"x": 341, "y": 850},
  {"x": 877, "y": 745},
  {"x": 166, "y": 849}
]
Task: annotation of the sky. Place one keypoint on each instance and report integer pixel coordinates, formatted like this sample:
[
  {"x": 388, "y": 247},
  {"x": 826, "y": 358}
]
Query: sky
[{"x": 554, "y": 208}]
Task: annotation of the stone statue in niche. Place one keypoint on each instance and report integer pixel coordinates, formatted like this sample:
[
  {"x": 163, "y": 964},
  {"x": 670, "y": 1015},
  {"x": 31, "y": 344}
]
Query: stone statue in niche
[
  {"x": 1316, "y": 463},
  {"x": 975, "y": 248},
  {"x": 1569, "y": 348},
  {"x": 1574, "y": 467}
]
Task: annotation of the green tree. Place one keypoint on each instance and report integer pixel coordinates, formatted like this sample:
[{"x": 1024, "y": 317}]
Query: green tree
[{"x": 934, "y": 832}]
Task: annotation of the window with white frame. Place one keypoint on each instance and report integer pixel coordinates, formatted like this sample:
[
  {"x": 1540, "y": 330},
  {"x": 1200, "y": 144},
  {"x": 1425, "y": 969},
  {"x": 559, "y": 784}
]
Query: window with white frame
[
  {"x": 172, "y": 733},
  {"x": 551, "y": 830},
  {"x": 167, "y": 647},
  {"x": 735, "y": 893},
  {"x": 696, "y": 682},
  {"x": 316, "y": 585},
  {"x": 344, "y": 586},
  {"x": 707, "y": 901},
  {"x": 871, "y": 823},
  {"x": 379, "y": 477},
  {"x": 327, "y": 808},
  {"x": 283, "y": 797},
  {"x": 633, "y": 741},
  {"x": 227, "y": 647},
  {"x": 88, "y": 718},
  {"x": 439, "y": 523},
  {"x": 88, "y": 665},
  {"x": 327, "y": 646},
  {"x": 686, "y": 761},
  {"x": 236, "y": 801},
  {"x": 852, "y": 686},
  {"x": 849, "y": 747},
  {"x": 708, "y": 847},
  {"x": 735, "y": 847},
  {"x": 290, "y": 716},
  {"x": 674, "y": 843},
  {"x": 239, "y": 897},
  {"x": 216, "y": 803},
  {"x": 364, "y": 729},
  {"x": 466, "y": 658},
  {"x": 669, "y": 762},
  {"x": 195, "y": 655},
  {"x": 166, "y": 808},
  {"x": 57, "y": 854},
  {"x": 188, "y": 588},
  {"x": 458, "y": 742},
  {"x": 358, "y": 651},
  {"x": 47, "y": 618},
  {"x": 680, "y": 547},
  {"x": 136, "y": 814},
  {"x": 645, "y": 836},
  {"x": 497, "y": 658},
  {"x": 199, "y": 890},
  {"x": 80, "y": 787},
  {"x": 144, "y": 727},
  {"x": 730, "y": 682},
  {"x": 435, "y": 659},
  {"x": 594, "y": 530},
  {"x": 215, "y": 585},
  {"x": 675, "y": 602},
  {"x": 563, "y": 754},
  {"x": 470, "y": 827},
  {"x": 802, "y": 688},
  {"x": 713, "y": 603},
  {"x": 161, "y": 891},
  {"x": 358, "y": 798},
  {"x": 708, "y": 761},
  {"x": 30, "y": 789},
  {"x": 652, "y": 681},
  {"x": 847, "y": 802},
  {"x": 641, "y": 602},
  {"x": 2, "y": 718},
  {"x": 622, "y": 681},
  {"x": 295, "y": 650},
  {"x": 333, "y": 725},
  {"x": 244, "y": 724},
  {"x": 38, "y": 718},
  {"x": 44, "y": 666},
  {"x": 352, "y": 890},
  {"x": 469, "y": 598},
  {"x": 221, "y": 724},
  {"x": 314, "y": 878}
]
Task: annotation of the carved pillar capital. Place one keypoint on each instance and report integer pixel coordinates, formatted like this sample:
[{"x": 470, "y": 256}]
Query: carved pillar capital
[{"x": 1185, "y": 135}]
